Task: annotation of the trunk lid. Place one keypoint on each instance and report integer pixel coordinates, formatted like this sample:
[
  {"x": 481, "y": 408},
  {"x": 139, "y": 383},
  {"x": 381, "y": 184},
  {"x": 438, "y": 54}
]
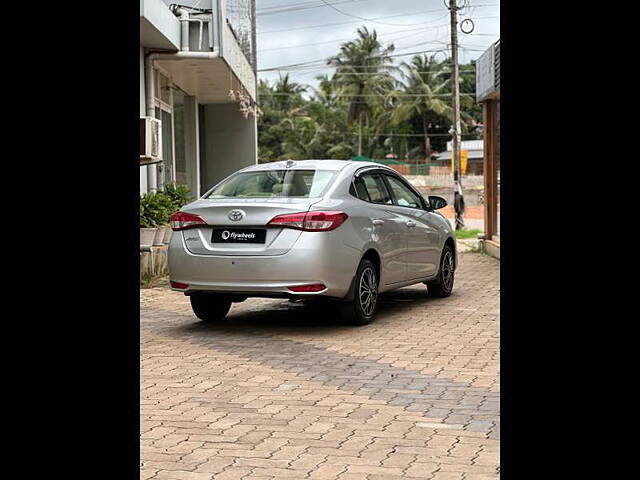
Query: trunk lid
[{"x": 256, "y": 215}]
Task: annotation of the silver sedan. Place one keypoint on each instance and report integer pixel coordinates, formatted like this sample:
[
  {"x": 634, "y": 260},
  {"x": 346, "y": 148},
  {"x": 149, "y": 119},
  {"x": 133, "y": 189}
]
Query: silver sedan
[{"x": 342, "y": 230}]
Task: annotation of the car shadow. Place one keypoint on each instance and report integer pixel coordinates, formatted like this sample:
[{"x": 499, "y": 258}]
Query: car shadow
[{"x": 320, "y": 317}]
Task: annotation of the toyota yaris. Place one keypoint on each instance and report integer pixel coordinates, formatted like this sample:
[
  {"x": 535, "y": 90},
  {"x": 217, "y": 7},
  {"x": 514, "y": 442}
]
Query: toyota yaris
[{"x": 341, "y": 230}]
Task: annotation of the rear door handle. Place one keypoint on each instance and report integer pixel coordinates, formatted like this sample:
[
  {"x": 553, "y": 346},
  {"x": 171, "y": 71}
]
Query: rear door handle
[
  {"x": 411, "y": 224},
  {"x": 378, "y": 222}
]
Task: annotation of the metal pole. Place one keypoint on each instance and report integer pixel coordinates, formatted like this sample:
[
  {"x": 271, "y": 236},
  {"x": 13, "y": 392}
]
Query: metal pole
[
  {"x": 458, "y": 201},
  {"x": 254, "y": 47}
]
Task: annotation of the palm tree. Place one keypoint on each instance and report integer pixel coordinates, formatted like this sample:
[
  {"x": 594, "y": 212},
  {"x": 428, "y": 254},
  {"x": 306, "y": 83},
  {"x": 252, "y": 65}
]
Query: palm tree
[
  {"x": 362, "y": 76},
  {"x": 325, "y": 93},
  {"x": 330, "y": 113},
  {"x": 422, "y": 87},
  {"x": 288, "y": 94}
]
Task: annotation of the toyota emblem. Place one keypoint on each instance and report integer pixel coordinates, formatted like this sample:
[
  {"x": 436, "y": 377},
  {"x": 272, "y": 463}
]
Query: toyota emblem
[{"x": 236, "y": 215}]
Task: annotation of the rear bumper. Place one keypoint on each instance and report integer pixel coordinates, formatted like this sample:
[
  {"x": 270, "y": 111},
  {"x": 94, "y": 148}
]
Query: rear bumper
[{"x": 316, "y": 257}]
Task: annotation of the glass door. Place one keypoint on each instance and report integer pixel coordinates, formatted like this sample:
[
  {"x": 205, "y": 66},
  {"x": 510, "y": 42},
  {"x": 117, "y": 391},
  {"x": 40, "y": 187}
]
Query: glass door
[
  {"x": 164, "y": 113},
  {"x": 497, "y": 166},
  {"x": 179, "y": 138},
  {"x": 166, "y": 167}
]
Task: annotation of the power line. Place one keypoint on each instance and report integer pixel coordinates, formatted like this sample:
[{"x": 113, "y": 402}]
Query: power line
[
  {"x": 286, "y": 94},
  {"x": 322, "y": 60},
  {"x": 294, "y": 7},
  {"x": 382, "y": 34},
  {"x": 358, "y": 21},
  {"x": 330, "y": 5},
  {"x": 388, "y": 74},
  {"x": 298, "y": 4},
  {"x": 324, "y": 66},
  {"x": 339, "y": 40}
]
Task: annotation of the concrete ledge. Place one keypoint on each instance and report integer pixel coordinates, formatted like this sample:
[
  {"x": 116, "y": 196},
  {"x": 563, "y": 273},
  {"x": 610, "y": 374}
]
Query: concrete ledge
[
  {"x": 159, "y": 28},
  {"x": 154, "y": 262},
  {"x": 472, "y": 195},
  {"x": 490, "y": 248}
]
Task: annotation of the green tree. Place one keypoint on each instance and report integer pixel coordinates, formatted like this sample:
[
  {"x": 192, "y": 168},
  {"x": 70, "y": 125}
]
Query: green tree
[
  {"x": 353, "y": 110},
  {"x": 421, "y": 94},
  {"x": 287, "y": 95},
  {"x": 362, "y": 76}
]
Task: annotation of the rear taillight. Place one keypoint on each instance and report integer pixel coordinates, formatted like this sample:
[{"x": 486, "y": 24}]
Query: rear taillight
[
  {"x": 293, "y": 220},
  {"x": 319, "y": 221},
  {"x": 179, "y": 286},
  {"x": 184, "y": 220}
]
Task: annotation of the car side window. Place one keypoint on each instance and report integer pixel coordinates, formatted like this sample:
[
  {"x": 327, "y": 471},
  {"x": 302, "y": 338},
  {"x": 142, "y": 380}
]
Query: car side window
[
  {"x": 359, "y": 190},
  {"x": 403, "y": 196},
  {"x": 376, "y": 188}
]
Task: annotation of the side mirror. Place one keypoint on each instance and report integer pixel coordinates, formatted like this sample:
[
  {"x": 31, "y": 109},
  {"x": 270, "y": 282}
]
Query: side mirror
[{"x": 437, "y": 202}]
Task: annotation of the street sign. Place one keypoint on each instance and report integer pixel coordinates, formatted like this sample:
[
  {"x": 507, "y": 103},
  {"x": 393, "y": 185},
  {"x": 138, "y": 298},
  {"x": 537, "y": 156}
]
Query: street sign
[{"x": 464, "y": 157}]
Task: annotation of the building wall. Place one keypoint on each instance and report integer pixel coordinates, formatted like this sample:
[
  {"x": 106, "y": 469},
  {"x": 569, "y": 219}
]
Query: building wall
[
  {"x": 236, "y": 59},
  {"x": 143, "y": 170},
  {"x": 230, "y": 143},
  {"x": 218, "y": 140},
  {"x": 159, "y": 27}
]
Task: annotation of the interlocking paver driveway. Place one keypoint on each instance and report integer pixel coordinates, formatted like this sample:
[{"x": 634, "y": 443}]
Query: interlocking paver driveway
[{"x": 282, "y": 390}]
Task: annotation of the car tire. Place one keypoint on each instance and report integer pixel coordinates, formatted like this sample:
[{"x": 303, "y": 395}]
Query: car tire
[
  {"x": 442, "y": 286},
  {"x": 362, "y": 309},
  {"x": 210, "y": 307}
]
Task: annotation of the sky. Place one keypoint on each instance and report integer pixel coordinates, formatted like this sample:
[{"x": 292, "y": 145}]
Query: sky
[{"x": 289, "y": 31}]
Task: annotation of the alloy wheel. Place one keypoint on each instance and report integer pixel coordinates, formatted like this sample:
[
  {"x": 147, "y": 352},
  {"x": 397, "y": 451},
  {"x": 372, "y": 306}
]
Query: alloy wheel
[
  {"x": 368, "y": 291},
  {"x": 447, "y": 270}
]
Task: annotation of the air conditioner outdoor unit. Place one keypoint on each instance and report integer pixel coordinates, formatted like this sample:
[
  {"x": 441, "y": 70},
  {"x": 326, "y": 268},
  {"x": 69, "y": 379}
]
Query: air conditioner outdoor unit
[{"x": 150, "y": 140}]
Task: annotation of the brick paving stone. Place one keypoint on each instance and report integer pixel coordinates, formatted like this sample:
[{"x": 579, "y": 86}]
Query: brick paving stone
[
  {"x": 421, "y": 470},
  {"x": 281, "y": 390}
]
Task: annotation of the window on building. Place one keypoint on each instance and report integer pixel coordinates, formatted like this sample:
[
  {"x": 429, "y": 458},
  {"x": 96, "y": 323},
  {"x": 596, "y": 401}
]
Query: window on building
[
  {"x": 163, "y": 88},
  {"x": 496, "y": 127},
  {"x": 179, "y": 137},
  {"x": 167, "y": 147}
]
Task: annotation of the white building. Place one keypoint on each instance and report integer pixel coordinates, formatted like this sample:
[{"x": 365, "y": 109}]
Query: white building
[{"x": 191, "y": 57}]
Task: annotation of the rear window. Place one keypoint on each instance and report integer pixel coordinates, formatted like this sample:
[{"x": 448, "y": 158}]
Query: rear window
[{"x": 274, "y": 184}]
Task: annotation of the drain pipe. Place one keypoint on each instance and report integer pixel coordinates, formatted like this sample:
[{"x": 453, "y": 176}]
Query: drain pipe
[
  {"x": 154, "y": 175},
  {"x": 183, "y": 14},
  {"x": 183, "y": 54},
  {"x": 149, "y": 74}
]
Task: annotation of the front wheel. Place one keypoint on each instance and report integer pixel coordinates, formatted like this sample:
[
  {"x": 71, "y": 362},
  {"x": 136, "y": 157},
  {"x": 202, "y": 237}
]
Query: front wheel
[
  {"x": 442, "y": 286},
  {"x": 210, "y": 307},
  {"x": 362, "y": 309}
]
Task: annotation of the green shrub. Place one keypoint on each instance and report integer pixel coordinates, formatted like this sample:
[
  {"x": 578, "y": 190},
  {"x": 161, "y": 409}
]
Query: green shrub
[
  {"x": 179, "y": 195},
  {"x": 145, "y": 220},
  {"x": 155, "y": 209}
]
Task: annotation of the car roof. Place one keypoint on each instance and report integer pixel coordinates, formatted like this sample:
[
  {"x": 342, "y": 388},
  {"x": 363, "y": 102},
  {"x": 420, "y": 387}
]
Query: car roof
[{"x": 315, "y": 164}]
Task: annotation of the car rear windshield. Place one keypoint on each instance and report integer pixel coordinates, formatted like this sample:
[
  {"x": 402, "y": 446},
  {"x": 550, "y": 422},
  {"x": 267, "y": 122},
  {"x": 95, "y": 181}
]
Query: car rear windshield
[{"x": 274, "y": 184}]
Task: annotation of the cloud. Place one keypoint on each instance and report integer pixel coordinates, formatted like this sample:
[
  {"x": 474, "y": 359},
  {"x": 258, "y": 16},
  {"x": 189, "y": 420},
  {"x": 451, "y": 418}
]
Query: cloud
[{"x": 406, "y": 32}]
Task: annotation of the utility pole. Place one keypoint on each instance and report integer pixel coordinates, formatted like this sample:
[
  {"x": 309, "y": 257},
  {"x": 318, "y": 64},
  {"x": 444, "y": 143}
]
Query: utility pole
[
  {"x": 254, "y": 47},
  {"x": 458, "y": 199}
]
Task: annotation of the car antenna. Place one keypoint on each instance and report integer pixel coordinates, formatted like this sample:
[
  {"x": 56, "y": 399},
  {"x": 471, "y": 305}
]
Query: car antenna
[{"x": 290, "y": 163}]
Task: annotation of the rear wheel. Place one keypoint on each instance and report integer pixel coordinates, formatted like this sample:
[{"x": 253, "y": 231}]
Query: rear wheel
[
  {"x": 442, "y": 286},
  {"x": 210, "y": 307},
  {"x": 362, "y": 309}
]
